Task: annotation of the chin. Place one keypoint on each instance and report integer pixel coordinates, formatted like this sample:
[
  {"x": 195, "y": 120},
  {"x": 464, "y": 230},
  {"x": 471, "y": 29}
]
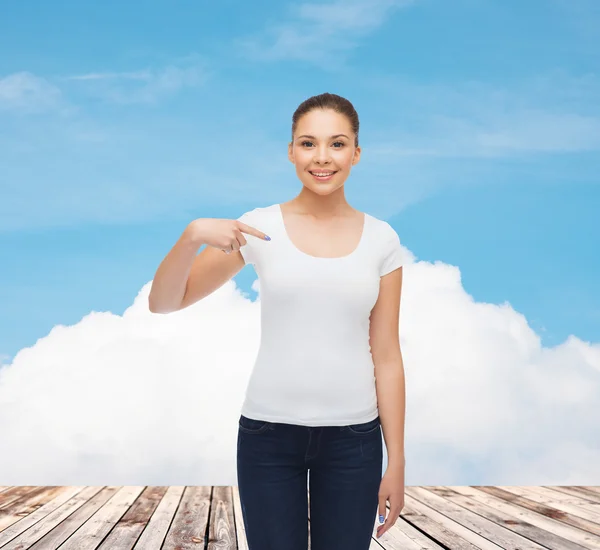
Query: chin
[{"x": 323, "y": 189}]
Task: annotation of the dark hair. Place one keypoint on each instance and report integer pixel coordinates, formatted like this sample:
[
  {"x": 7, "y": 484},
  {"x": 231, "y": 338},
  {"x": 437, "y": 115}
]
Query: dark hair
[{"x": 327, "y": 101}]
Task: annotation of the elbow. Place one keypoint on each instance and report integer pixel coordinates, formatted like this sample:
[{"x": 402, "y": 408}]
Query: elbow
[
  {"x": 151, "y": 307},
  {"x": 155, "y": 308}
]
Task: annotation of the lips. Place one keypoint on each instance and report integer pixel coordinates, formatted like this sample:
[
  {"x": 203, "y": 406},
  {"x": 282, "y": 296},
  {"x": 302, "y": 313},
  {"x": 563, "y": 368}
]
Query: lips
[{"x": 328, "y": 177}]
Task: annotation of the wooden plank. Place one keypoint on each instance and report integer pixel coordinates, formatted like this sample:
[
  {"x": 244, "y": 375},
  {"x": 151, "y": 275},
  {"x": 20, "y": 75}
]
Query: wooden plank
[
  {"x": 509, "y": 521},
  {"x": 530, "y": 500},
  {"x": 221, "y": 533},
  {"x": 403, "y": 535},
  {"x": 592, "y": 498},
  {"x": 93, "y": 531},
  {"x": 569, "y": 538},
  {"x": 190, "y": 522},
  {"x": 475, "y": 517},
  {"x": 434, "y": 517},
  {"x": 568, "y": 503},
  {"x": 593, "y": 489},
  {"x": 34, "y": 533},
  {"x": 83, "y": 506},
  {"x": 134, "y": 521},
  {"x": 158, "y": 526},
  {"x": 240, "y": 528},
  {"x": 25, "y": 523},
  {"x": 552, "y": 493},
  {"x": 443, "y": 528},
  {"x": 13, "y": 494},
  {"x": 417, "y": 514},
  {"x": 17, "y": 508}
]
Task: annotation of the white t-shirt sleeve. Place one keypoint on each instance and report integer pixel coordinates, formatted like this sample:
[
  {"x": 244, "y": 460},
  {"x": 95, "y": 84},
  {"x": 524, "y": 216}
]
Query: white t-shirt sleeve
[
  {"x": 392, "y": 252},
  {"x": 247, "y": 251}
]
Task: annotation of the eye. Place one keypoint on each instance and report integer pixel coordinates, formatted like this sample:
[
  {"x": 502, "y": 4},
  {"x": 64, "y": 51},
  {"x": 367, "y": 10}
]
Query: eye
[{"x": 340, "y": 142}]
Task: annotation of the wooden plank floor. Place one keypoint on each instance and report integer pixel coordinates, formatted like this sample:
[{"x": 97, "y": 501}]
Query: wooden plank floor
[{"x": 177, "y": 517}]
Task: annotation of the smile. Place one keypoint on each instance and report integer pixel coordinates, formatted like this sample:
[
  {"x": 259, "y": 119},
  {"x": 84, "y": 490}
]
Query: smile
[{"x": 322, "y": 176}]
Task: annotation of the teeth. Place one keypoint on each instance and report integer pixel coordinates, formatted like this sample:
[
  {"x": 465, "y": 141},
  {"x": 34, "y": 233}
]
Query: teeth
[{"x": 322, "y": 175}]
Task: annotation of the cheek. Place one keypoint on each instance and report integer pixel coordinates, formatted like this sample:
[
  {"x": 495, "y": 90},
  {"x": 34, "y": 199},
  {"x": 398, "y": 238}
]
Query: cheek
[
  {"x": 303, "y": 160},
  {"x": 346, "y": 162}
]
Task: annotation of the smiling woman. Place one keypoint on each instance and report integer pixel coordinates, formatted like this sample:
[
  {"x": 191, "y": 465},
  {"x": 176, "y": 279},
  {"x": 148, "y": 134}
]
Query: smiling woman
[{"x": 330, "y": 297}]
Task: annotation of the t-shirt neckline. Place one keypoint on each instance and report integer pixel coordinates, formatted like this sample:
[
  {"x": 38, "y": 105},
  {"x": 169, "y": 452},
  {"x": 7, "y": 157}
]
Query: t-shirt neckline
[{"x": 290, "y": 242}]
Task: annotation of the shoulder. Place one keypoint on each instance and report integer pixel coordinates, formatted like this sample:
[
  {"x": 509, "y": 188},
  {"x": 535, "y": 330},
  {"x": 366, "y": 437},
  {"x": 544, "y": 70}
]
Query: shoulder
[
  {"x": 261, "y": 210},
  {"x": 382, "y": 230},
  {"x": 390, "y": 251},
  {"x": 257, "y": 214}
]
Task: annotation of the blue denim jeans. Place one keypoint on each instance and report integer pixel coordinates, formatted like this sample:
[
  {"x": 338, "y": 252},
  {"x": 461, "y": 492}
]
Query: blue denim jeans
[{"x": 342, "y": 465}]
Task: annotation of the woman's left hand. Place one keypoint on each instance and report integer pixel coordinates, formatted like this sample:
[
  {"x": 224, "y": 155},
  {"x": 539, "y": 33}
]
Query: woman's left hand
[{"x": 392, "y": 490}]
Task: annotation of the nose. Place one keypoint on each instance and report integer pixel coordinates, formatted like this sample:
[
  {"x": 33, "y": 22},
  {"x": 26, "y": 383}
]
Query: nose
[{"x": 322, "y": 155}]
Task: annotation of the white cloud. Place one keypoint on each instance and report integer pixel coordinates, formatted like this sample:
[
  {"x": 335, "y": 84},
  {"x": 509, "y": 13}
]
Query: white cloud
[
  {"x": 154, "y": 399},
  {"x": 522, "y": 132},
  {"x": 138, "y": 75},
  {"x": 147, "y": 86},
  {"x": 27, "y": 93},
  {"x": 326, "y": 28},
  {"x": 551, "y": 113}
]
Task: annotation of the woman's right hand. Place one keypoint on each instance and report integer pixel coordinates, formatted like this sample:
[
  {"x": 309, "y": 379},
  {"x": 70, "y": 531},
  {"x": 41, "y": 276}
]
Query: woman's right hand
[{"x": 225, "y": 234}]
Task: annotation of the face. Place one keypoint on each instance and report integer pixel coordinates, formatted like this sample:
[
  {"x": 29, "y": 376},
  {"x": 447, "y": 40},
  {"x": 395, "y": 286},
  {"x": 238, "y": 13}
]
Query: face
[{"x": 322, "y": 152}]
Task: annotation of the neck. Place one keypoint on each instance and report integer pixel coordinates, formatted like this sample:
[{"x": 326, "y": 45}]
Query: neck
[{"x": 307, "y": 202}]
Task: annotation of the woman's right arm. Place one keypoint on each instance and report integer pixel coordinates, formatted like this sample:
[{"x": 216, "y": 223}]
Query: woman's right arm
[
  {"x": 184, "y": 277},
  {"x": 170, "y": 280}
]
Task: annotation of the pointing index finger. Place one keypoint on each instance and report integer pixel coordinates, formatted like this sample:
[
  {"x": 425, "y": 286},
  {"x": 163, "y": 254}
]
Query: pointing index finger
[{"x": 244, "y": 228}]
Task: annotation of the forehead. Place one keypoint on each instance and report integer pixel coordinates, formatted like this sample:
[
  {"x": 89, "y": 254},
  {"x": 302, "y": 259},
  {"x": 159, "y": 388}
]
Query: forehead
[{"x": 323, "y": 122}]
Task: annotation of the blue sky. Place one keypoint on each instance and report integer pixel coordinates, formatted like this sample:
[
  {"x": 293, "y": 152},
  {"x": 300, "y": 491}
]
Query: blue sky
[
  {"x": 122, "y": 122},
  {"x": 479, "y": 128}
]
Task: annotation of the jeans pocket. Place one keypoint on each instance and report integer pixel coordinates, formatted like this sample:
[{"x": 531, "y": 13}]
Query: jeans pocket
[
  {"x": 253, "y": 426},
  {"x": 364, "y": 427}
]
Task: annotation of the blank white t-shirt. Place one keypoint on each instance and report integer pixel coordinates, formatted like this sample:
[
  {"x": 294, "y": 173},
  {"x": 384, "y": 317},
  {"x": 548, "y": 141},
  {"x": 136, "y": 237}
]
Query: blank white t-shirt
[{"x": 314, "y": 365}]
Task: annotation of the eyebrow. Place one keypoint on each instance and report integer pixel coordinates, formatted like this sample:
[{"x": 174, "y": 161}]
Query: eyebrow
[{"x": 313, "y": 137}]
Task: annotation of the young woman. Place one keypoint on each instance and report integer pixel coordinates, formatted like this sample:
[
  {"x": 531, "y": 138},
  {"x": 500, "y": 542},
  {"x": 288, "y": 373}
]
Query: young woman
[{"x": 328, "y": 375}]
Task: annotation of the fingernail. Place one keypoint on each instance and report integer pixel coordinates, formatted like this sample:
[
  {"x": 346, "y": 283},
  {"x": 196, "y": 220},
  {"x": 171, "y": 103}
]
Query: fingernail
[
  {"x": 381, "y": 519},
  {"x": 267, "y": 238}
]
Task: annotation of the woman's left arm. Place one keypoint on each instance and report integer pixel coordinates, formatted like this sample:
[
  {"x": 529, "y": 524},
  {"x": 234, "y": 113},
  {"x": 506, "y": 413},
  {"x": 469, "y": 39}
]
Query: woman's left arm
[{"x": 384, "y": 339}]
